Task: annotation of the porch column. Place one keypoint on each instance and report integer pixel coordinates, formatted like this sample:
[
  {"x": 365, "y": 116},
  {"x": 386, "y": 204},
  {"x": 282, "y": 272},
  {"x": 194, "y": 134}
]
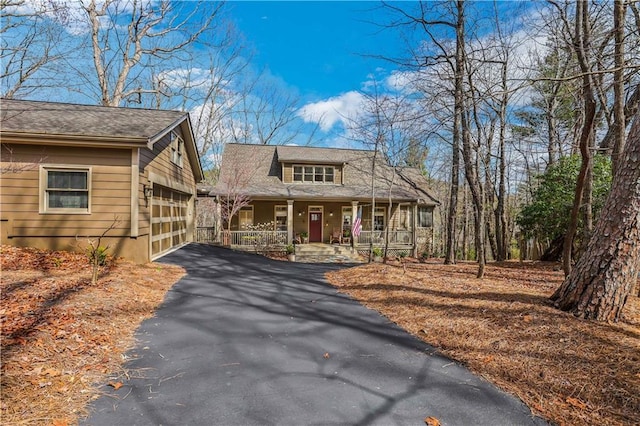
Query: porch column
[
  {"x": 289, "y": 221},
  {"x": 218, "y": 219},
  {"x": 414, "y": 225},
  {"x": 354, "y": 213}
]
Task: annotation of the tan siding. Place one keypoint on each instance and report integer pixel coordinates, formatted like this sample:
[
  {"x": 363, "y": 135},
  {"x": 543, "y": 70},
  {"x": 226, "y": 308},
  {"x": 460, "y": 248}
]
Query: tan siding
[
  {"x": 287, "y": 173},
  {"x": 110, "y": 192},
  {"x": 338, "y": 175}
]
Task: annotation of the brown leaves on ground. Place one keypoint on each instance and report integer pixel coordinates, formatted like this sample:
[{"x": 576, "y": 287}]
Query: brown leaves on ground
[
  {"x": 63, "y": 337},
  {"x": 504, "y": 328}
]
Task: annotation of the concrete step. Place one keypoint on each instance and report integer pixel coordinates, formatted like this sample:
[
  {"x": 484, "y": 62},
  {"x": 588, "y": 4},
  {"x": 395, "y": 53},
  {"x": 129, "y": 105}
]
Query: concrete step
[{"x": 326, "y": 253}]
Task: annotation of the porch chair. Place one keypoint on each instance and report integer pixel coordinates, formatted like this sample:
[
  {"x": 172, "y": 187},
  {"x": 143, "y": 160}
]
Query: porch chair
[{"x": 336, "y": 236}]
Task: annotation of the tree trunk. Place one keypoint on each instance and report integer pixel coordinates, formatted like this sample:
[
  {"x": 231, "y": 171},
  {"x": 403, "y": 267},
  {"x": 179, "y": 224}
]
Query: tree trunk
[
  {"x": 619, "y": 124},
  {"x": 604, "y": 276},
  {"x": 581, "y": 42}
]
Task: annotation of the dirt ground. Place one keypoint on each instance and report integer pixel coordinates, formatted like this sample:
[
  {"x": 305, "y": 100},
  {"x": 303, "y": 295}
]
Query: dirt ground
[
  {"x": 504, "y": 328},
  {"x": 63, "y": 337}
]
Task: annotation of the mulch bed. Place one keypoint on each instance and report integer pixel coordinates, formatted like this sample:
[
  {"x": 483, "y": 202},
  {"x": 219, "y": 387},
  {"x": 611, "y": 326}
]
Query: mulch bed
[
  {"x": 62, "y": 337},
  {"x": 504, "y": 328}
]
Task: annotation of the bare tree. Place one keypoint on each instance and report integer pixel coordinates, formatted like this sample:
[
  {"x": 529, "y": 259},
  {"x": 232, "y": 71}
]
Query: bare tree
[
  {"x": 128, "y": 36},
  {"x": 30, "y": 45}
]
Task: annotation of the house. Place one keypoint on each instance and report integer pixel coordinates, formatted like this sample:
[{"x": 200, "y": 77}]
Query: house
[
  {"x": 319, "y": 192},
  {"x": 71, "y": 173}
]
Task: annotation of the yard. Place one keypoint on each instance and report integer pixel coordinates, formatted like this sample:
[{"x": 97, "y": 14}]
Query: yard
[
  {"x": 63, "y": 338},
  {"x": 504, "y": 328}
]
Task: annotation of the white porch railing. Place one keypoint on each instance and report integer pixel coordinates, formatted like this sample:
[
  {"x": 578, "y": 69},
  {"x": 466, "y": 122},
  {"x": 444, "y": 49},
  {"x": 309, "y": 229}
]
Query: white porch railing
[
  {"x": 377, "y": 237},
  {"x": 255, "y": 238}
]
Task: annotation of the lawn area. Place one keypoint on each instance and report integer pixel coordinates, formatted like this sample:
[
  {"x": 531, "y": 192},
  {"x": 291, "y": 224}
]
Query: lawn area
[
  {"x": 504, "y": 328},
  {"x": 62, "y": 338}
]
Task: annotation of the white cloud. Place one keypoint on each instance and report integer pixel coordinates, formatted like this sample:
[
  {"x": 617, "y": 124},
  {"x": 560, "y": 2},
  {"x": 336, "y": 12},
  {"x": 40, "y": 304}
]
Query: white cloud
[{"x": 339, "y": 109}]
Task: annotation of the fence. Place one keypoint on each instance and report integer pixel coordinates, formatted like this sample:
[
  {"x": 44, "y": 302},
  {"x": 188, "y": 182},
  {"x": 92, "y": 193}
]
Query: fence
[
  {"x": 255, "y": 238},
  {"x": 205, "y": 234}
]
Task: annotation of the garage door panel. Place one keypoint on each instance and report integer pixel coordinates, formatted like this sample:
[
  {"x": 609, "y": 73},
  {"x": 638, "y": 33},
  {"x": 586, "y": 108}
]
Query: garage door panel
[{"x": 168, "y": 220}]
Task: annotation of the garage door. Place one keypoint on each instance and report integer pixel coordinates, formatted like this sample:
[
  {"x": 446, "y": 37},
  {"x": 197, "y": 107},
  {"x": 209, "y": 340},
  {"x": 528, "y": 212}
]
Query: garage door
[{"x": 168, "y": 219}]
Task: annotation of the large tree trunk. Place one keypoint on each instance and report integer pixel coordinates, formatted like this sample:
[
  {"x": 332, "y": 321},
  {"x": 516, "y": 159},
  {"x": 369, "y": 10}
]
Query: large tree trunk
[{"x": 605, "y": 275}]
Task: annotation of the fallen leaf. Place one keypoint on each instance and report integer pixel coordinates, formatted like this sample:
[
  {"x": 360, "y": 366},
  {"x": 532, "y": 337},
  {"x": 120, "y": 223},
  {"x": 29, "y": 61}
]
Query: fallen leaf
[
  {"x": 60, "y": 422},
  {"x": 326, "y": 355},
  {"x": 115, "y": 385},
  {"x": 576, "y": 403},
  {"x": 52, "y": 372},
  {"x": 488, "y": 359},
  {"x": 432, "y": 421},
  {"x": 527, "y": 318}
]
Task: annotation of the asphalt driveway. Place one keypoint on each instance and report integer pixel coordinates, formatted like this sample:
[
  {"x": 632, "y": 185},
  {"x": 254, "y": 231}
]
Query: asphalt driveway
[{"x": 244, "y": 340}]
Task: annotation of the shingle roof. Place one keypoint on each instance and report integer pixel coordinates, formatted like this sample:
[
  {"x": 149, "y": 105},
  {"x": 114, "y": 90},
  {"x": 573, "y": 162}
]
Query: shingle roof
[
  {"x": 51, "y": 118},
  {"x": 255, "y": 170}
]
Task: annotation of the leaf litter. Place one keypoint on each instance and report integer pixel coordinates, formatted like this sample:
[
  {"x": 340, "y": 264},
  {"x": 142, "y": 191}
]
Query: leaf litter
[
  {"x": 62, "y": 338},
  {"x": 504, "y": 328}
]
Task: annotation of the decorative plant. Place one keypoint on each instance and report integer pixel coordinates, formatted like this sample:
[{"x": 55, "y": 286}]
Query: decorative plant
[
  {"x": 290, "y": 249},
  {"x": 377, "y": 252},
  {"x": 304, "y": 234},
  {"x": 346, "y": 233}
]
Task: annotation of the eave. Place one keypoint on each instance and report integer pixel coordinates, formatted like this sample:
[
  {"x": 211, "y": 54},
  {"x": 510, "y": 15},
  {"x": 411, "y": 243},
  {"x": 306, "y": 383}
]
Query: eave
[{"x": 72, "y": 140}]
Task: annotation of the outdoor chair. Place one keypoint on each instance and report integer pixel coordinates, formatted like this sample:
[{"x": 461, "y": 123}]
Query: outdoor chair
[{"x": 336, "y": 236}]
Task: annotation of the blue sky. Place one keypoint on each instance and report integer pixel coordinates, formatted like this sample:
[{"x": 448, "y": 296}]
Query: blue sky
[{"x": 317, "y": 48}]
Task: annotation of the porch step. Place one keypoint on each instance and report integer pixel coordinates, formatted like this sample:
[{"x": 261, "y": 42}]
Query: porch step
[{"x": 326, "y": 253}]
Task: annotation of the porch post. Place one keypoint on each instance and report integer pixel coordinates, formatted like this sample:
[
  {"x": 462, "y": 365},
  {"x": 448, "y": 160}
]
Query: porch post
[
  {"x": 354, "y": 213},
  {"x": 289, "y": 221},
  {"x": 414, "y": 225},
  {"x": 218, "y": 218}
]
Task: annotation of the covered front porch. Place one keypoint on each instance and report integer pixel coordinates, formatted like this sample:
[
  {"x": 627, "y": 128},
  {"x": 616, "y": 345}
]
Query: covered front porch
[{"x": 275, "y": 224}]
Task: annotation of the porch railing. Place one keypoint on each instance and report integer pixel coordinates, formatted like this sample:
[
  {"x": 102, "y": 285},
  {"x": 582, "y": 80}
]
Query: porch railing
[
  {"x": 255, "y": 238},
  {"x": 205, "y": 234},
  {"x": 377, "y": 237}
]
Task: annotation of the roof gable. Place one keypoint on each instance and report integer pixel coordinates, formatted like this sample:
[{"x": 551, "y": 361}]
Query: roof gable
[{"x": 52, "y": 118}]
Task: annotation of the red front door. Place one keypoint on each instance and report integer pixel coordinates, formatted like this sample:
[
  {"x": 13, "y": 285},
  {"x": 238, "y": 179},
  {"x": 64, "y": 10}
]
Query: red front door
[{"x": 315, "y": 227}]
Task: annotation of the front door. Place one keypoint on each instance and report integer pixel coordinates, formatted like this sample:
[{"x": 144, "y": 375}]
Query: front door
[{"x": 315, "y": 227}]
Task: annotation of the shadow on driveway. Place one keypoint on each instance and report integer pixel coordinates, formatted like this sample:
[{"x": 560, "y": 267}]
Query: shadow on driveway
[{"x": 245, "y": 340}]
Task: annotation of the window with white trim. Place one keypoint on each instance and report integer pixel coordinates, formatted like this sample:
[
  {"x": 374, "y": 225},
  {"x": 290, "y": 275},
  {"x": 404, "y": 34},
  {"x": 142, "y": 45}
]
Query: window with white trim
[
  {"x": 425, "y": 217},
  {"x": 177, "y": 149},
  {"x": 65, "y": 190},
  {"x": 313, "y": 174},
  {"x": 281, "y": 218},
  {"x": 379, "y": 218}
]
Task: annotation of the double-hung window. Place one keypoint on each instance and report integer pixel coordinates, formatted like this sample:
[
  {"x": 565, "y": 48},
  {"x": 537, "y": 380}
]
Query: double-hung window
[{"x": 65, "y": 190}]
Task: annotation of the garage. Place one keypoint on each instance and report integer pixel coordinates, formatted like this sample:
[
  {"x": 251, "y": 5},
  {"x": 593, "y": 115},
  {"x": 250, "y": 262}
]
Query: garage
[{"x": 169, "y": 212}]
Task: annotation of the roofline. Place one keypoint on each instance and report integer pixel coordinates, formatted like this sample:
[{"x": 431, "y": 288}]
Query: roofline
[{"x": 71, "y": 139}]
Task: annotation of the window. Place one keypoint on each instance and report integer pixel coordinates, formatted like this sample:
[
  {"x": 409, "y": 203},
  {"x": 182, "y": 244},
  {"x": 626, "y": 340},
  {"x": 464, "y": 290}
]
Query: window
[
  {"x": 378, "y": 219},
  {"x": 281, "y": 218},
  {"x": 177, "y": 149},
  {"x": 313, "y": 174},
  {"x": 245, "y": 217},
  {"x": 425, "y": 217},
  {"x": 405, "y": 217},
  {"x": 65, "y": 190},
  {"x": 347, "y": 212}
]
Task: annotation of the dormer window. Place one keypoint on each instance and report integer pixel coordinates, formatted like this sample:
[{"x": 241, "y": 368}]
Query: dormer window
[{"x": 313, "y": 174}]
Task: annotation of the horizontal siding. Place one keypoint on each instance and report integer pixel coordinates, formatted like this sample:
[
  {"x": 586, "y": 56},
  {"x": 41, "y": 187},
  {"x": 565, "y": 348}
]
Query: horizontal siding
[
  {"x": 109, "y": 192},
  {"x": 288, "y": 173}
]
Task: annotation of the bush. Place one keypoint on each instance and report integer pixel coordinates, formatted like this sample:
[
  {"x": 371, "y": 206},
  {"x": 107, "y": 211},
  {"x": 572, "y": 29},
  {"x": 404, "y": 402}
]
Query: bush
[{"x": 377, "y": 252}]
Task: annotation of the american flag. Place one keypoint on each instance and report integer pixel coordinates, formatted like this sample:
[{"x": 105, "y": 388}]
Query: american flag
[{"x": 357, "y": 224}]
